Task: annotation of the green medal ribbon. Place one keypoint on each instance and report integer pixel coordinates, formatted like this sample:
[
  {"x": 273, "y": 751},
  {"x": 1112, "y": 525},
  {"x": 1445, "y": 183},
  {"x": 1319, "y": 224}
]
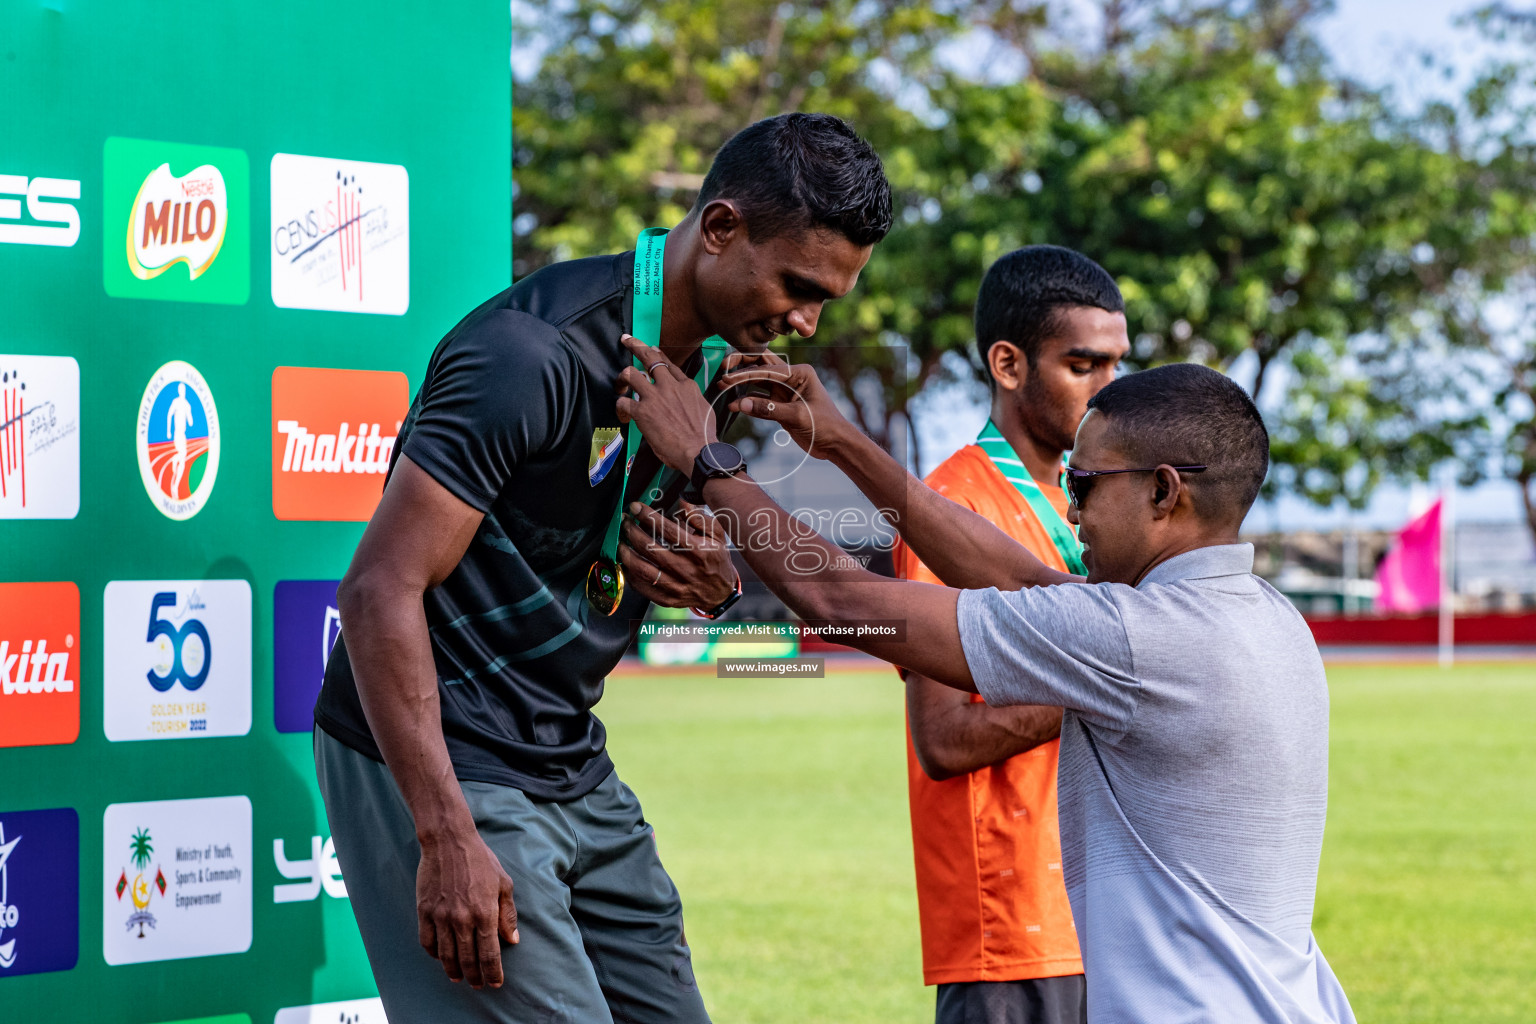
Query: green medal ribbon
[
  {"x": 991, "y": 441},
  {"x": 605, "y": 579}
]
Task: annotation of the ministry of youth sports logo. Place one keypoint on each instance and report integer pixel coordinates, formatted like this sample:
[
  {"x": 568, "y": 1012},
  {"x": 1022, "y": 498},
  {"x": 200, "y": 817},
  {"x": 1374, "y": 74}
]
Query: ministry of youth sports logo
[{"x": 178, "y": 440}]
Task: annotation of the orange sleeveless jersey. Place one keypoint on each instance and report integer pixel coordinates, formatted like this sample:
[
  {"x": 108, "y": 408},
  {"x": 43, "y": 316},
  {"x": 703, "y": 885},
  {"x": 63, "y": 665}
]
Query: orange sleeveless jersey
[{"x": 987, "y": 847}]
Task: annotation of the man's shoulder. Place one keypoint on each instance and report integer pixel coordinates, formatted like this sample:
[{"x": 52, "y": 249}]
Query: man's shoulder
[
  {"x": 529, "y": 322},
  {"x": 966, "y": 475},
  {"x": 561, "y": 293}
]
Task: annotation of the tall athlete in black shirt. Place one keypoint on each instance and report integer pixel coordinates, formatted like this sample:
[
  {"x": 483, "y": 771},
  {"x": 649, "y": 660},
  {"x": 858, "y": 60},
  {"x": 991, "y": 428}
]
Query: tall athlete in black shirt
[{"x": 460, "y": 762}]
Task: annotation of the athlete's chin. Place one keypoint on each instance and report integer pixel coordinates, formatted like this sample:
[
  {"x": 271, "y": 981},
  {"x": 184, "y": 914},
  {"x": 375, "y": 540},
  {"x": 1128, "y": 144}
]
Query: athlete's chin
[{"x": 752, "y": 338}]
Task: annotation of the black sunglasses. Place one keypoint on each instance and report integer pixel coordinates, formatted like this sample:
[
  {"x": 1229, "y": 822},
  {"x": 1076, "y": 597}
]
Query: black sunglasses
[{"x": 1080, "y": 481}]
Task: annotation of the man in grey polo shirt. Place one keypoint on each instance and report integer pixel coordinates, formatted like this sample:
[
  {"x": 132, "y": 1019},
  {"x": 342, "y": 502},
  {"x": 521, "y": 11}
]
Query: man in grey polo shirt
[{"x": 1194, "y": 754}]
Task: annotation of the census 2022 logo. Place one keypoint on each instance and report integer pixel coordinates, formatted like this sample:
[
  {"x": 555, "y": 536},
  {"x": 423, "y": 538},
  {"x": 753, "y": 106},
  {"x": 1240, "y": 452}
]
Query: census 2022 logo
[
  {"x": 333, "y": 432},
  {"x": 178, "y": 659},
  {"x": 177, "y": 222},
  {"x": 306, "y": 622},
  {"x": 176, "y": 879},
  {"x": 39, "y": 437},
  {"x": 39, "y": 891},
  {"x": 39, "y": 664},
  {"x": 341, "y": 235},
  {"x": 52, "y": 222},
  {"x": 178, "y": 440}
]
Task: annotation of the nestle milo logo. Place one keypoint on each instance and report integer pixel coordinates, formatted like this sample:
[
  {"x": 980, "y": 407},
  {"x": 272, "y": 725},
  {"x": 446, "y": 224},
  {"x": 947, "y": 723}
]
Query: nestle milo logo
[{"x": 177, "y": 222}]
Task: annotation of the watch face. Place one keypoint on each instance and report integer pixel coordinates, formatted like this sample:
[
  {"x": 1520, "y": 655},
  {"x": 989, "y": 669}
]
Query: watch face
[{"x": 721, "y": 457}]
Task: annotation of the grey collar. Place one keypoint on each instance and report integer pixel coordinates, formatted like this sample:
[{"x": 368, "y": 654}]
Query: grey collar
[{"x": 1203, "y": 563}]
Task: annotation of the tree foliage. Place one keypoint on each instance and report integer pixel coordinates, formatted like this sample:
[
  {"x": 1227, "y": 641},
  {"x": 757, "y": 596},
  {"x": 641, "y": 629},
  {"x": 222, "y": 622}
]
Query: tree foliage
[{"x": 1261, "y": 213}]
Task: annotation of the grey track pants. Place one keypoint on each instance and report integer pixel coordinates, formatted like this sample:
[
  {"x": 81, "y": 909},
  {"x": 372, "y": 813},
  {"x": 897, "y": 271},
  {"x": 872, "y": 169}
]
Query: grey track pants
[{"x": 600, "y": 922}]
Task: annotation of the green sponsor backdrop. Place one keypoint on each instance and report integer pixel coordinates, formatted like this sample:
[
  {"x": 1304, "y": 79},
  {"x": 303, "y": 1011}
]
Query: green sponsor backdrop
[{"x": 399, "y": 83}]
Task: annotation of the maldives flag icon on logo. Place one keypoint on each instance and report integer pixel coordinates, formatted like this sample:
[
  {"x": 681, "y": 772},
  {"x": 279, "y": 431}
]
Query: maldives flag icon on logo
[
  {"x": 333, "y": 432},
  {"x": 39, "y": 664}
]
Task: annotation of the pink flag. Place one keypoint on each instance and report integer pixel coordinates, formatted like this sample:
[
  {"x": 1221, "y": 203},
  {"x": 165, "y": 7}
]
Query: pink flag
[{"x": 1409, "y": 577}]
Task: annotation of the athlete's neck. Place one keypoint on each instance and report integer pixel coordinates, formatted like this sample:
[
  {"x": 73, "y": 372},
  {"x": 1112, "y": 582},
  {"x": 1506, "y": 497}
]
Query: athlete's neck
[
  {"x": 682, "y": 329},
  {"x": 1041, "y": 459}
]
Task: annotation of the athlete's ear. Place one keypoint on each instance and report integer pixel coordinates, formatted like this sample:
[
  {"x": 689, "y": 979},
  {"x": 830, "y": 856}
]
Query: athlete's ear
[
  {"x": 719, "y": 224},
  {"x": 1006, "y": 363}
]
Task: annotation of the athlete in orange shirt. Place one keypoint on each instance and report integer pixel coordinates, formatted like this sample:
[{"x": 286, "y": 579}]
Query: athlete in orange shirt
[{"x": 997, "y": 929}]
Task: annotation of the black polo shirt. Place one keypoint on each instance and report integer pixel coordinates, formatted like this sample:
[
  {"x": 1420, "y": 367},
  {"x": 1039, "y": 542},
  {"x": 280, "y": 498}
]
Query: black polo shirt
[{"x": 505, "y": 420}]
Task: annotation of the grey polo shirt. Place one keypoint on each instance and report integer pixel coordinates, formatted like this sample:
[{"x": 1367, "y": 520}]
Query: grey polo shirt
[{"x": 1193, "y": 783}]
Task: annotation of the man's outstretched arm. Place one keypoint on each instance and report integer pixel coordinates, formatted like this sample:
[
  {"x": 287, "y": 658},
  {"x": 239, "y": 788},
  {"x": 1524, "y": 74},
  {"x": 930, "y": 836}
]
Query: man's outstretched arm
[
  {"x": 819, "y": 581},
  {"x": 963, "y": 549}
]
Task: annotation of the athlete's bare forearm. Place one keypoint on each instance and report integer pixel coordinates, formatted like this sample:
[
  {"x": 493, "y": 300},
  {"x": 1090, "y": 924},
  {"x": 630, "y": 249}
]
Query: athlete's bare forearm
[
  {"x": 819, "y": 581},
  {"x": 391, "y": 654},
  {"x": 954, "y": 735},
  {"x": 963, "y": 549}
]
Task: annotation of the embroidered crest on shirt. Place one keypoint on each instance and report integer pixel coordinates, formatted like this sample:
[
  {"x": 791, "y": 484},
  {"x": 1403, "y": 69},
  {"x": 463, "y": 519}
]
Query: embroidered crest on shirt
[{"x": 607, "y": 442}]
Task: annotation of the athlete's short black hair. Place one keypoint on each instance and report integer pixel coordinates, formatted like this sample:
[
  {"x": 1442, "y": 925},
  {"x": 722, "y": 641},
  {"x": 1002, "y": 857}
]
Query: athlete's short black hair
[
  {"x": 1184, "y": 414},
  {"x": 1025, "y": 292},
  {"x": 800, "y": 170}
]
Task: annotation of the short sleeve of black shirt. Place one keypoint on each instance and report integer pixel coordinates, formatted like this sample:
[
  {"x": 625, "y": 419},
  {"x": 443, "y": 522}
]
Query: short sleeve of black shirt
[{"x": 497, "y": 395}]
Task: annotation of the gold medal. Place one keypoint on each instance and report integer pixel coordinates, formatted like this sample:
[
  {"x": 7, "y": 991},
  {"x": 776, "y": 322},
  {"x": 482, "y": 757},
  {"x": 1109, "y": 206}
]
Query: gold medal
[{"x": 605, "y": 585}]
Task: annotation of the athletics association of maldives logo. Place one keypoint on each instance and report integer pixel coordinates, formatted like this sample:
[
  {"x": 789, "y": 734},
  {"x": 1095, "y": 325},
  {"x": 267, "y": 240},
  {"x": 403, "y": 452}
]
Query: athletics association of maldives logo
[{"x": 178, "y": 440}]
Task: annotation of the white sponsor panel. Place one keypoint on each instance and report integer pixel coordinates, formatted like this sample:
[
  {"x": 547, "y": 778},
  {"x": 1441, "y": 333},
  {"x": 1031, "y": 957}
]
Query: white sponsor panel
[
  {"x": 348, "y": 1011},
  {"x": 177, "y": 659},
  {"x": 56, "y": 223},
  {"x": 39, "y": 437},
  {"x": 341, "y": 236},
  {"x": 176, "y": 879}
]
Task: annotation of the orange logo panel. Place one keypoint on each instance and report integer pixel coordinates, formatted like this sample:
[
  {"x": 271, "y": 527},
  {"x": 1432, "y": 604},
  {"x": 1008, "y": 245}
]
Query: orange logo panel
[
  {"x": 39, "y": 664},
  {"x": 332, "y": 435}
]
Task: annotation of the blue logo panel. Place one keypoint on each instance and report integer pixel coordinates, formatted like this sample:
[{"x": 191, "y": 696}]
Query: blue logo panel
[
  {"x": 305, "y": 625},
  {"x": 39, "y": 891}
]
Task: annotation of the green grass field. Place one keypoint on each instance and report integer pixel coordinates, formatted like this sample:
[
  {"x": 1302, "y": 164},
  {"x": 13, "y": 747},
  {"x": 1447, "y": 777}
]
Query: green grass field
[{"x": 780, "y": 809}]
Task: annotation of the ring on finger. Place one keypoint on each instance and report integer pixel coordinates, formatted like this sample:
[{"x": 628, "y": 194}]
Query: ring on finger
[
  {"x": 650, "y": 371},
  {"x": 658, "y": 576}
]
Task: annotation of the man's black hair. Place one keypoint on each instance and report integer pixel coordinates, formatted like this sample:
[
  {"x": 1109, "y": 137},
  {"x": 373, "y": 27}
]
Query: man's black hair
[
  {"x": 1026, "y": 292},
  {"x": 1184, "y": 414},
  {"x": 796, "y": 171}
]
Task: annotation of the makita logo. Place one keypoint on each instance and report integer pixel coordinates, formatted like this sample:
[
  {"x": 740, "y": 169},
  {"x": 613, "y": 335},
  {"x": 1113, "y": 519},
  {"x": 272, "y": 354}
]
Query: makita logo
[
  {"x": 39, "y": 680},
  {"x": 333, "y": 432},
  {"x": 365, "y": 451},
  {"x": 33, "y": 669}
]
